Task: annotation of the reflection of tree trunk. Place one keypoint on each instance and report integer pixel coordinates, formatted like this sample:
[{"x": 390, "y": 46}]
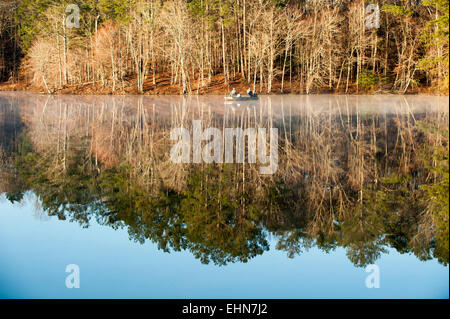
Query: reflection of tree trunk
[
  {"x": 113, "y": 120},
  {"x": 66, "y": 137}
]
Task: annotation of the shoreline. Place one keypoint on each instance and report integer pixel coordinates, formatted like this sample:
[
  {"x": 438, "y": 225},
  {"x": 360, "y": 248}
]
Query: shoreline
[{"x": 216, "y": 87}]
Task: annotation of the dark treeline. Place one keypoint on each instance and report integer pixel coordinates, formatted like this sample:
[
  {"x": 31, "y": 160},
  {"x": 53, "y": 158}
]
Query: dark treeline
[
  {"x": 347, "y": 177},
  {"x": 300, "y": 46}
]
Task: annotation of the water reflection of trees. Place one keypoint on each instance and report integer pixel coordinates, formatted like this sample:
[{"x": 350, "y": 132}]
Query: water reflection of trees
[
  {"x": 347, "y": 177},
  {"x": 11, "y": 127}
]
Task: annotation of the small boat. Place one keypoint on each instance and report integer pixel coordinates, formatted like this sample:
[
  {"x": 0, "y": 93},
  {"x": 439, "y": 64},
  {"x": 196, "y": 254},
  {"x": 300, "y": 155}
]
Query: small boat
[{"x": 241, "y": 98}]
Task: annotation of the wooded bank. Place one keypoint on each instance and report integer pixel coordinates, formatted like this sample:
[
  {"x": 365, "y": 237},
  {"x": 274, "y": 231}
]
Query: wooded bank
[{"x": 209, "y": 46}]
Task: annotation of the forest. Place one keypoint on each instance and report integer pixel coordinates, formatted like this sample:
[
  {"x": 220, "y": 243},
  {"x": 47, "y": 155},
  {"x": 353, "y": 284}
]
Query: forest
[{"x": 209, "y": 46}]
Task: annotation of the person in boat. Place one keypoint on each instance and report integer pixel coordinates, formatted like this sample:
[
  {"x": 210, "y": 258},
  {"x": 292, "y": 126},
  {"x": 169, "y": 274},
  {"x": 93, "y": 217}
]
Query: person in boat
[
  {"x": 234, "y": 93},
  {"x": 251, "y": 94}
]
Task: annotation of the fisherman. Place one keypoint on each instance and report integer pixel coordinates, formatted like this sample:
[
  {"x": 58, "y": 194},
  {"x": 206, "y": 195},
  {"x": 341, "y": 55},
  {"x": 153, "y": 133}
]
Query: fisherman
[
  {"x": 233, "y": 92},
  {"x": 250, "y": 93}
]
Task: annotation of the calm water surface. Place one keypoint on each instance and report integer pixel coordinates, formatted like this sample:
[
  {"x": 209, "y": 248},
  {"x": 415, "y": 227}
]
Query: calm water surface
[{"x": 88, "y": 180}]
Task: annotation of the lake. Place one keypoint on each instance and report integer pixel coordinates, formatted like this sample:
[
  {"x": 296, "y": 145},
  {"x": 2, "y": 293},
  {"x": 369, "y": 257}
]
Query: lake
[{"x": 151, "y": 197}]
